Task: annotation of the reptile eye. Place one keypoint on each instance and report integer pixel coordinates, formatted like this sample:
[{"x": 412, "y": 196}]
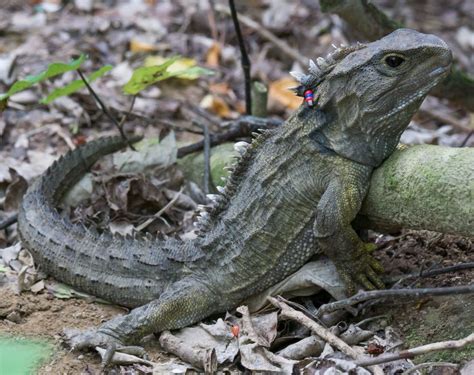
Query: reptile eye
[{"x": 394, "y": 61}]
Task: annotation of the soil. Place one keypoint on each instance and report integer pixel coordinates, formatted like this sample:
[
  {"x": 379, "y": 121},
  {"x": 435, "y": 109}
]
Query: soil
[
  {"x": 430, "y": 319},
  {"x": 44, "y": 316}
]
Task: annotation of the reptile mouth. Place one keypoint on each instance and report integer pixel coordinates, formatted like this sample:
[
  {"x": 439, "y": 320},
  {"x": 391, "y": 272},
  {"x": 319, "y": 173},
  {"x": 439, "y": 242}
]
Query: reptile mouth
[{"x": 439, "y": 71}]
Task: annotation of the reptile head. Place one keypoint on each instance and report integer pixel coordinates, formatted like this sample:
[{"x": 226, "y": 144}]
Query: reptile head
[{"x": 370, "y": 94}]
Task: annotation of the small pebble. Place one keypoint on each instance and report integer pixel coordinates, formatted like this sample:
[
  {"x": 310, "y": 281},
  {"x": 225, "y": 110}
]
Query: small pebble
[{"x": 14, "y": 317}]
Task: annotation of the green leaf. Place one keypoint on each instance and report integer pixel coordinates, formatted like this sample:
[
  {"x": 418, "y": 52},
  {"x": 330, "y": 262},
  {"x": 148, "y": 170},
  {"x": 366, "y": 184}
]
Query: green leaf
[
  {"x": 189, "y": 73},
  {"x": 3, "y": 269},
  {"x": 146, "y": 76},
  {"x": 75, "y": 85},
  {"x": 53, "y": 70}
]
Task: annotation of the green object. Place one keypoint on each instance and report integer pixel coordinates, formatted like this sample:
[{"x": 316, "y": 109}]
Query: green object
[
  {"x": 19, "y": 356},
  {"x": 53, "y": 70},
  {"x": 148, "y": 75},
  {"x": 221, "y": 156},
  {"x": 75, "y": 85},
  {"x": 259, "y": 99}
]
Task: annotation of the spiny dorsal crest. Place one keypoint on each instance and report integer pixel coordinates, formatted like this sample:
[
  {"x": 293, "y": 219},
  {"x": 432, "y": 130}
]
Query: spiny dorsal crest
[
  {"x": 318, "y": 70},
  {"x": 246, "y": 153}
]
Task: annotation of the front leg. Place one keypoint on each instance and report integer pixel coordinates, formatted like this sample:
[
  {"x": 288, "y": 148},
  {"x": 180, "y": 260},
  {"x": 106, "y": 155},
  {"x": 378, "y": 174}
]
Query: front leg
[{"x": 336, "y": 210}]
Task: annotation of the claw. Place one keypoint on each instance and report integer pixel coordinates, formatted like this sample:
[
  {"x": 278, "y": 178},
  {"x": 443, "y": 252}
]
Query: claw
[
  {"x": 108, "y": 355},
  {"x": 112, "y": 349}
]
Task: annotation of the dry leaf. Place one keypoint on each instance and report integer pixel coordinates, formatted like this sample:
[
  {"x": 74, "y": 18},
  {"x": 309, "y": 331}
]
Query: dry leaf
[
  {"x": 213, "y": 55},
  {"x": 38, "y": 287},
  {"x": 215, "y": 105},
  {"x": 280, "y": 92},
  {"x": 221, "y": 88},
  {"x": 141, "y": 46}
]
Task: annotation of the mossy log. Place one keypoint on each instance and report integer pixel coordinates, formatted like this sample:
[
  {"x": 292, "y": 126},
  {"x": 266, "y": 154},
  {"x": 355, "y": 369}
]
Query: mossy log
[{"x": 421, "y": 187}]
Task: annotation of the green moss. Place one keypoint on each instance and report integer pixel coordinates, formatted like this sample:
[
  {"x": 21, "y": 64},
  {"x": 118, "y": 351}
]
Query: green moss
[
  {"x": 20, "y": 356},
  {"x": 451, "y": 320},
  {"x": 221, "y": 156}
]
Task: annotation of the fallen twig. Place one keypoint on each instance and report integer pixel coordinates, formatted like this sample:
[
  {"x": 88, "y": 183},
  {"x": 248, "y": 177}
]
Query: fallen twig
[
  {"x": 288, "y": 313},
  {"x": 464, "y": 142},
  {"x": 6, "y": 222},
  {"x": 243, "y": 127},
  {"x": 130, "y": 109},
  {"x": 284, "y": 47},
  {"x": 380, "y": 294},
  {"x": 432, "y": 272},
  {"x": 412, "y": 353},
  {"x": 446, "y": 118},
  {"x": 160, "y": 212},
  {"x": 207, "y": 159}
]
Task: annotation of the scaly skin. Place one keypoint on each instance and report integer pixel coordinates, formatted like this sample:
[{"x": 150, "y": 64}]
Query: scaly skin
[{"x": 294, "y": 193}]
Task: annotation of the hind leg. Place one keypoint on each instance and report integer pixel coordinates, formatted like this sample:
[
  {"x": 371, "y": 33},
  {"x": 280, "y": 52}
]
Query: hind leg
[{"x": 183, "y": 303}]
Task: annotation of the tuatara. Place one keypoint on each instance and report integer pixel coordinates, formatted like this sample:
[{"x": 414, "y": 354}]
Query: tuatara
[{"x": 294, "y": 193}]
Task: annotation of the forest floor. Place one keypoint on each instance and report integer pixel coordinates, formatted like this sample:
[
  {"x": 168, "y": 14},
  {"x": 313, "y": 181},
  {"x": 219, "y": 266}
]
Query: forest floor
[{"x": 126, "y": 33}]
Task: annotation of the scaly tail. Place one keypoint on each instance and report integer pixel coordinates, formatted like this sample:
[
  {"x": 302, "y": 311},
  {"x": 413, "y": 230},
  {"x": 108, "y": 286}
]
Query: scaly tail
[{"x": 123, "y": 270}]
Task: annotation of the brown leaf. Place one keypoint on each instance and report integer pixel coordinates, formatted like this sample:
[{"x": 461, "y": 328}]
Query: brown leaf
[
  {"x": 280, "y": 92},
  {"x": 216, "y": 105},
  {"x": 15, "y": 191},
  {"x": 213, "y": 55}
]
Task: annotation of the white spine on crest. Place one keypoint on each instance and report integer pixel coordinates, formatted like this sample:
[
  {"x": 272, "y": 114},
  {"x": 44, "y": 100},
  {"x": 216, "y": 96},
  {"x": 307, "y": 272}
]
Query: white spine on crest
[
  {"x": 212, "y": 197},
  {"x": 241, "y": 147},
  {"x": 321, "y": 63},
  {"x": 300, "y": 77}
]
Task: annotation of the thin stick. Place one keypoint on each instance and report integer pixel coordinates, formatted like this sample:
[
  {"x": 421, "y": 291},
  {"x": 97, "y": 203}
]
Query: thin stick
[
  {"x": 12, "y": 219},
  {"x": 130, "y": 109},
  {"x": 211, "y": 17},
  {"x": 160, "y": 212},
  {"x": 464, "y": 143},
  {"x": 244, "y": 58},
  {"x": 243, "y": 127},
  {"x": 105, "y": 110},
  {"x": 207, "y": 158},
  {"x": 288, "y": 313},
  {"x": 264, "y": 33},
  {"x": 380, "y": 294},
  {"x": 433, "y": 272},
  {"x": 445, "y": 118},
  {"x": 412, "y": 353}
]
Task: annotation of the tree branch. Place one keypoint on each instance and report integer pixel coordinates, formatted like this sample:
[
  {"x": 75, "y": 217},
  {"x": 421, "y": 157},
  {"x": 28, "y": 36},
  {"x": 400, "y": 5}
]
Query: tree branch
[{"x": 394, "y": 293}]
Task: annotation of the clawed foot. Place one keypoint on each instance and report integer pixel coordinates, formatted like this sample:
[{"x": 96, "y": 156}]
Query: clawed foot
[
  {"x": 94, "y": 338},
  {"x": 361, "y": 270}
]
